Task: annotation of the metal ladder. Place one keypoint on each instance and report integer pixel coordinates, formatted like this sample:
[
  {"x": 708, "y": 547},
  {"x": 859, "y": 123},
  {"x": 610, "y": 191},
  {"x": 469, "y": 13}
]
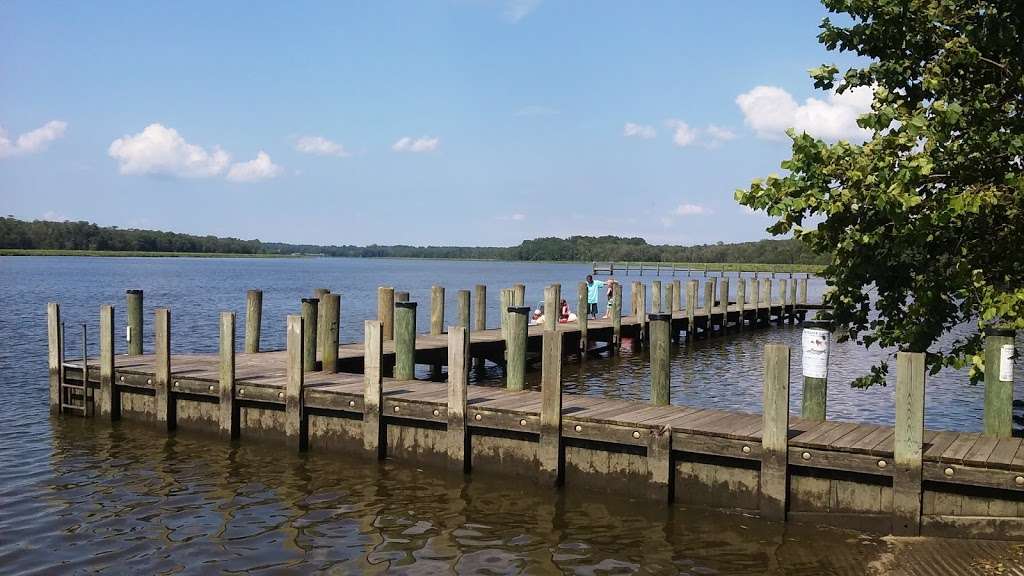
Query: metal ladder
[{"x": 75, "y": 397}]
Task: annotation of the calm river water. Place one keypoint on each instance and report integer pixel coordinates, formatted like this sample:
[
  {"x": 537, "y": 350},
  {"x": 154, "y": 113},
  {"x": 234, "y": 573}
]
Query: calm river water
[{"x": 76, "y": 496}]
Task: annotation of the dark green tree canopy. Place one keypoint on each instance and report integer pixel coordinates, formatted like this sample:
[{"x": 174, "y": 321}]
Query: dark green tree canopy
[{"x": 926, "y": 217}]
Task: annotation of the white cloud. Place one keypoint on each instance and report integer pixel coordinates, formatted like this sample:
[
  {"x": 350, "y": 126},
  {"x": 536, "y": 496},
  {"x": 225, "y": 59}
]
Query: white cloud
[
  {"x": 685, "y": 209},
  {"x": 161, "y": 151},
  {"x": 33, "y": 141},
  {"x": 516, "y": 10},
  {"x": 537, "y": 111},
  {"x": 255, "y": 170},
  {"x": 515, "y": 217},
  {"x": 718, "y": 134},
  {"x": 684, "y": 135},
  {"x": 644, "y": 131},
  {"x": 770, "y": 111},
  {"x": 320, "y": 146},
  {"x": 410, "y": 144},
  {"x": 51, "y": 216}
]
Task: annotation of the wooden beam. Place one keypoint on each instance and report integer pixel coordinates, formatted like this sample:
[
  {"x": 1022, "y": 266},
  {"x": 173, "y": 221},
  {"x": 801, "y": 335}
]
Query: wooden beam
[
  {"x": 385, "y": 311},
  {"x": 133, "y": 328},
  {"x": 330, "y": 306},
  {"x": 165, "y": 404},
  {"x": 907, "y": 449},
  {"x": 253, "y": 318},
  {"x": 294, "y": 413},
  {"x": 405, "y": 340},
  {"x": 374, "y": 440},
  {"x": 774, "y": 434},
  {"x": 550, "y": 451},
  {"x": 660, "y": 328},
  {"x": 999, "y": 352},
  {"x": 110, "y": 397},
  {"x": 457, "y": 434},
  {"x": 55, "y": 356},
  {"x": 228, "y": 410},
  {"x": 310, "y": 318}
]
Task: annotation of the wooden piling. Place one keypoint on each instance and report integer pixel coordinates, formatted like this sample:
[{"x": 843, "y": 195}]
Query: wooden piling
[
  {"x": 677, "y": 296},
  {"x": 165, "y": 404},
  {"x": 656, "y": 296},
  {"x": 320, "y": 323},
  {"x": 709, "y": 303},
  {"x": 294, "y": 412},
  {"x": 110, "y": 397},
  {"x": 133, "y": 315},
  {"x": 457, "y": 433},
  {"x": 385, "y": 312},
  {"x": 515, "y": 346},
  {"x": 463, "y": 311},
  {"x": 766, "y": 286},
  {"x": 405, "y": 340},
  {"x": 552, "y": 305},
  {"x": 815, "y": 346},
  {"x": 227, "y": 421},
  {"x": 480, "y": 307},
  {"x": 723, "y": 300},
  {"x": 691, "y": 308},
  {"x": 784, "y": 297},
  {"x": 310, "y": 313},
  {"x": 583, "y": 315},
  {"x": 549, "y": 451},
  {"x": 55, "y": 356},
  {"x": 999, "y": 352},
  {"x": 660, "y": 326},
  {"x": 253, "y": 318},
  {"x": 802, "y": 298},
  {"x": 616, "y": 314},
  {"x": 519, "y": 295},
  {"x": 374, "y": 440},
  {"x": 907, "y": 438},
  {"x": 669, "y": 298},
  {"x": 436, "y": 310},
  {"x": 330, "y": 304},
  {"x": 641, "y": 314},
  {"x": 634, "y": 294},
  {"x": 401, "y": 296},
  {"x": 792, "y": 300},
  {"x": 741, "y": 301},
  {"x": 775, "y": 430}
]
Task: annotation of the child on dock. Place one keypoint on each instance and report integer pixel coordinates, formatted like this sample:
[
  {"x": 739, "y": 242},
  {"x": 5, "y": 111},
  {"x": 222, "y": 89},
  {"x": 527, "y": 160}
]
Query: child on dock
[
  {"x": 610, "y": 295},
  {"x": 593, "y": 287}
]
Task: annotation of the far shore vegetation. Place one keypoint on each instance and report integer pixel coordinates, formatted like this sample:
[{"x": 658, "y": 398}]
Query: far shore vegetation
[{"x": 44, "y": 238}]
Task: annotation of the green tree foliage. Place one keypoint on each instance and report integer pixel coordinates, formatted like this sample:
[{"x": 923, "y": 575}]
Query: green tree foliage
[
  {"x": 16, "y": 233},
  {"x": 925, "y": 217}
]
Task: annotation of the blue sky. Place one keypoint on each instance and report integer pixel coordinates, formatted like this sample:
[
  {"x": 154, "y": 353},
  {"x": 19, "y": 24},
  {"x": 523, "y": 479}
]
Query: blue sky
[{"x": 464, "y": 122}]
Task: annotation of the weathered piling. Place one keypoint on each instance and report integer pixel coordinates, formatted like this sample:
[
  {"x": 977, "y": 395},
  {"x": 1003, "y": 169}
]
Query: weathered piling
[
  {"x": 783, "y": 297},
  {"x": 55, "y": 355},
  {"x": 374, "y": 440},
  {"x": 519, "y": 295},
  {"x": 792, "y": 300},
  {"x": 133, "y": 315},
  {"x": 253, "y": 319},
  {"x": 310, "y": 311},
  {"x": 480, "y": 307},
  {"x": 660, "y": 326},
  {"x": 815, "y": 347},
  {"x": 775, "y": 430},
  {"x": 436, "y": 310},
  {"x": 165, "y": 406},
  {"x": 294, "y": 410},
  {"x": 709, "y": 303},
  {"x": 385, "y": 312},
  {"x": 634, "y": 294},
  {"x": 401, "y": 296},
  {"x": 582, "y": 314},
  {"x": 907, "y": 450},
  {"x": 549, "y": 451},
  {"x": 110, "y": 398},
  {"x": 330, "y": 304},
  {"x": 741, "y": 301},
  {"x": 227, "y": 411},
  {"x": 319, "y": 293},
  {"x": 641, "y": 313},
  {"x": 766, "y": 298},
  {"x": 723, "y": 299},
  {"x": 616, "y": 313},
  {"x": 462, "y": 299},
  {"x": 999, "y": 352},
  {"x": 677, "y": 296},
  {"x": 515, "y": 360},
  {"x": 405, "y": 340},
  {"x": 691, "y": 308},
  {"x": 552, "y": 305},
  {"x": 457, "y": 432},
  {"x": 802, "y": 297},
  {"x": 656, "y": 296},
  {"x": 507, "y": 297}
]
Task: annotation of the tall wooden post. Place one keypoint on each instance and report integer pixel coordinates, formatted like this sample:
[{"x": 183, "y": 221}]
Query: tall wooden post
[
  {"x": 709, "y": 305},
  {"x": 741, "y": 301},
  {"x": 436, "y": 310},
  {"x": 165, "y": 404},
  {"x": 815, "y": 342},
  {"x": 462, "y": 298},
  {"x": 656, "y": 296},
  {"x": 669, "y": 298},
  {"x": 660, "y": 326},
  {"x": 552, "y": 305},
  {"x": 374, "y": 440},
  {"x": 784, "y": 297},
  {"x": 549, "y": 451},
  {"x": 385, "y": 311},
  {"x": 792, "y": 300},
  {"x": 227, "y": 410},
  {"x": 582, "y": 315},
  {"x": 641, "y": 313},
  {"x": 999, "y": 352},
  {"x": 723, "y": 299},
  {"x": 519, "y": 295},
  {"x": 253, "y": 318},
  {"x": 310, "y": 314},
  {"x": 677, "y": 296},
  {"x": 457, "y": 434},
  {"x": 634, "y": 293},
  {"x": 133, "y": 329},
  {"x": 616, "y": 316},
  {"x": 55, "y": 357},
  {"x": 775, "y": 431},
  {"x": 294, "y": 410},
  {"x": 480, "y": 307},
  {"x": 907, "y": 450},
  {"x": 515, "y": 360},
  {"x": 110, "y": 396},
  {"x": 405, "y": 340},
  {"x": 401, "y": 296},
  {"x": 691, "y": 308},
  {"x": 321, "y": 324},
  {"x": 330, "y": 304},
  {"x": 766, "y": 286},
  {"x": 802, "y": 298}
]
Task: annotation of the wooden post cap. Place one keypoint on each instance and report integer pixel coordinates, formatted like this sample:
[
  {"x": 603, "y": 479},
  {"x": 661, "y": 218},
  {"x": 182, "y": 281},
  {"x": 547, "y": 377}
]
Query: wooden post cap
[
  {"x": 310, "y": 300},
  {"x": 133, "y": 291},
  {"x": 405, "y": 305},
  {"x": 656, "y": 316}
]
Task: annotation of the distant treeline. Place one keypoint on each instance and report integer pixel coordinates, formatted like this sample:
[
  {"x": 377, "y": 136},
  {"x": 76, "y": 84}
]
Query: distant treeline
[{"x": 44, "y": 235}]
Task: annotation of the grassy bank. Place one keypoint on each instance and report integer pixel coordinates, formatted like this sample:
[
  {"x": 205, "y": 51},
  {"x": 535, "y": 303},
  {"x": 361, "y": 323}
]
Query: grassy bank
[{"x": 133, "y": 253}]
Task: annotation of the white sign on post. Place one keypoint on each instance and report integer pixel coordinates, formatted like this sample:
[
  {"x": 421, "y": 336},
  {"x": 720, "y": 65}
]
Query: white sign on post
[
  {"x": 128, "y": 333},
  {"x": 815, "y": 353},
  {"x": 1006, "y": 363}
]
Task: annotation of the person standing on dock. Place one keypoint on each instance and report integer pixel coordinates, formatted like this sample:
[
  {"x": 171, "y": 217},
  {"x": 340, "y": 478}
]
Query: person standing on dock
[
  {"x": 593, "y": 293},
  {"x": 610, "y": 295}
]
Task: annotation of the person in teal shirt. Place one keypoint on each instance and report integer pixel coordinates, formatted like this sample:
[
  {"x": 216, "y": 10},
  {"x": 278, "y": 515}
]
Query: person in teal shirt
[{"x": 593, "y": 293}]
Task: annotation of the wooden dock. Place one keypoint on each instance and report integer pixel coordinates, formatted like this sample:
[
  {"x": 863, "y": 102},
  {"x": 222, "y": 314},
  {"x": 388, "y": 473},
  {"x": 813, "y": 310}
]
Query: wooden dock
[{"x": 901, "y": 479}]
